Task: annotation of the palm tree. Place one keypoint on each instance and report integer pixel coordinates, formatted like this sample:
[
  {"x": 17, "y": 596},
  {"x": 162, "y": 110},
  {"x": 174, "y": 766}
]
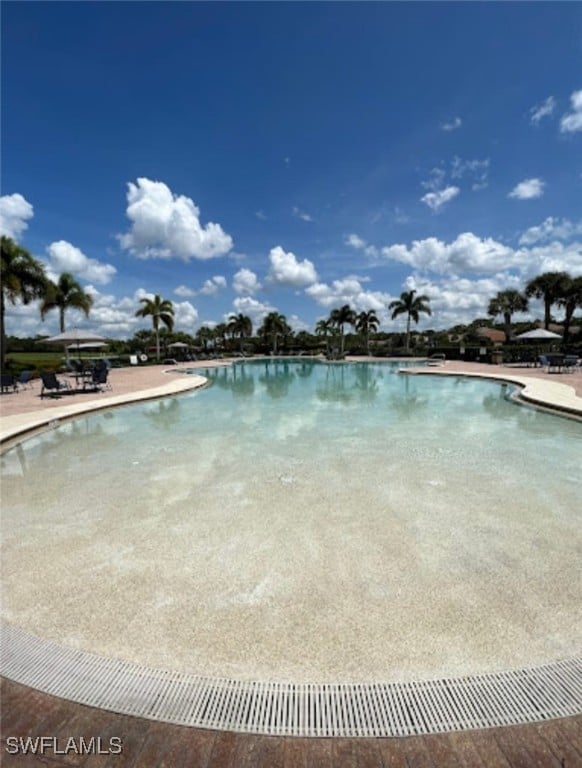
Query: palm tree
[
  {"x": 506, "y": 303},
  {"x": 23, "y": 279},
  {"x": 204, "y": 334},
  {"x": 571, "y": 299},
  {"x": 366, "y": 323},
  {"x": 160, "y": 310},
  {"x": 219, "y": 334},
  {"x": 65, "y": 294},
  {"x": 274, "y": 325},
  {"x": 323, "y": 328},
  {"x": 410, "y": 306},
  {"x": 548, "y": 287},
  {"x": 340, "y": 317},
  {"x": 242, "y": 326}
]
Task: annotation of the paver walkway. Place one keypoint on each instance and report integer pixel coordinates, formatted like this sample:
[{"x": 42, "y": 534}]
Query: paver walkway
[{"x": 147, "y": 744}]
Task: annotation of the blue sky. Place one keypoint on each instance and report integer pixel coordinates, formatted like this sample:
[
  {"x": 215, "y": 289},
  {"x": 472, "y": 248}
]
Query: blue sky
[{"x": 247, "y": 157}]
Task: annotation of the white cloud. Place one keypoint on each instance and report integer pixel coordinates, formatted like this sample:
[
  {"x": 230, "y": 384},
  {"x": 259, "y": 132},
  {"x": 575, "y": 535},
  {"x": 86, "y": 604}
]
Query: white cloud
[
  {"x": 355, "y": 241},
  {"x": 168, "y": 226},
  {"x": 436, "y": 200},
  {"x": 552, "y": 257},
  {"x": 551, "y": 229},
  {"x": 245, "y": 281},
  {"x": 471, "y": 254},
  {"x": 184, "y": 291},
  {"x": 65, "y": 257},
  {"x": 254, "y": 309},
  {"x": 185, "y": 316},
  {"x": 476, "y": 170},
  {"x": 261, "y": 215},
  {"x": 297, "y": 324},
  {"x": 466, "y": 253},
  {"x": 301, "y": 214},
  {"x": 529, "y": 189},
  {"x": 436, "y": 180},
  {"x": 455, "y": 300},
  {"x": 15, "y": 210},
  {"x": 348, "y": 290},
  {"x": 544, "y": 109},
  {"x": 452, "y": 125},
  {"x": 213, "y": 286},
  {"x": 286, "y": 270},
  {"x": 571, "y": 122}
]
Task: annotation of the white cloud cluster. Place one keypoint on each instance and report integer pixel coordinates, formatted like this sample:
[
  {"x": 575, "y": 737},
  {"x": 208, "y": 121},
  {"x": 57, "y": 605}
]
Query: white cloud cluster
[
  {"x": 529, "y": 189},
  {"x": 245, "y": 281},
  {"x": 571, "y": 122},
  {"x": 256, "y": 310},
  {"x": 168, "y": 226},
  {"x": 302, "y": 214},
  {"x": 438, "y": 194},
  {"x": 467, "y": 253},
  {"x": 452, "y": 125},
  {"x": 551, "y": 229},
  {"x": 184, "y": 292},
  {"x": 436, "y": 200},
  {"x": 476, "y": 170},
  {"x": 286, "y": 270},
  {"x": 65, "y": 257},
  {"x": 348, "y": 290},
  {"x": 15, "y": 211},
  {"x": 355, "y": 241},
  {"x": 544, "y": 109},
  {"x": 455, "y": 300},
  {"x": 213, "y": 286},
  {"x": 185, "y": 316}
]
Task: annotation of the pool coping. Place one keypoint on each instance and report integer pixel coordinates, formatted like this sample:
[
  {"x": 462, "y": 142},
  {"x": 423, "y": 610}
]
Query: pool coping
[{"x": 552, "y": 396}]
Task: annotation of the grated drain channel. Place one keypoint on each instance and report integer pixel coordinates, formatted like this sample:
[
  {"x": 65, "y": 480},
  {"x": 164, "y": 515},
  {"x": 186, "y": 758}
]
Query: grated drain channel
[{"x": 288, "y": 709}]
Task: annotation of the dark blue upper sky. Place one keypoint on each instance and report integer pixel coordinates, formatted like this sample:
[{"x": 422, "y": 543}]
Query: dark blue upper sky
[{"x": 344, "y": 151}]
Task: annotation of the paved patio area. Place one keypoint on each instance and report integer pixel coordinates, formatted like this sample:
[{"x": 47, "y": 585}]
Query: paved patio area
[{"x": 146, "y": 744}]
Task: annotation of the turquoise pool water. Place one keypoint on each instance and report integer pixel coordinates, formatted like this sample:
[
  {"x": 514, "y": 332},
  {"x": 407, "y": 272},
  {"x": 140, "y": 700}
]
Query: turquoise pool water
[{"x": 299, "y": 520}]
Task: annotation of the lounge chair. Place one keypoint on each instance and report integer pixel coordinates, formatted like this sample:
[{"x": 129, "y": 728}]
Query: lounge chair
[
  {"x": 99, "y": 378},
  {"x": 25, "y": 380},
  {"x": 52, "y": 385},
  {"x": 8, "y": 382},
  {"x": 570, "y": 363},
  {"x": 437, "y": 359}
]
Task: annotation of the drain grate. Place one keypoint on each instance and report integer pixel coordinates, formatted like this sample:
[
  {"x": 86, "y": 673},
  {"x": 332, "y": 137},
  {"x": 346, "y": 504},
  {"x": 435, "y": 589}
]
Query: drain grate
[{"x": 287, "y": 709}]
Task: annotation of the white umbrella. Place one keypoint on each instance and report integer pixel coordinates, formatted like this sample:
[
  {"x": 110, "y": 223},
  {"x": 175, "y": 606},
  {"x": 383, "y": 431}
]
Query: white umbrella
[
  {"x": 178, "y": 345},
  {"x": 89, "y": 345},
  {"x": 539, "y": 334},
  {"x": 74, "y": 337}
]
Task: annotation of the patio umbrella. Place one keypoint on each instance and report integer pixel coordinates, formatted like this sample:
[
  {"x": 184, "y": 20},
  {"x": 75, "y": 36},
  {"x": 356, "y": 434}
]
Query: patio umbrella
[
  {"x": 89, "y": 345},
  {"x": 178, "y": 345},
  {"x": 539, "y": 334},
  {"x": 74, "y": 337}
]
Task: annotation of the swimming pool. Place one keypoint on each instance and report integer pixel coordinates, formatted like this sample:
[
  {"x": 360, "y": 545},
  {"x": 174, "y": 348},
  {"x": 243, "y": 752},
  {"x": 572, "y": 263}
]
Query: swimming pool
[{"x": 302, "y": 521}]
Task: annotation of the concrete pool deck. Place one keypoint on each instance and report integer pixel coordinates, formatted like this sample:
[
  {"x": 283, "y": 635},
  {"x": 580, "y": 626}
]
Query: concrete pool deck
[{"x": 171, "y": 386}]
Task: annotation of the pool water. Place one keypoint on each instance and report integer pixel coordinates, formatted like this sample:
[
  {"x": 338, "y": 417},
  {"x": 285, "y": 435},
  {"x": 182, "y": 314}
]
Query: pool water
[{"x": 302, "y": 521}]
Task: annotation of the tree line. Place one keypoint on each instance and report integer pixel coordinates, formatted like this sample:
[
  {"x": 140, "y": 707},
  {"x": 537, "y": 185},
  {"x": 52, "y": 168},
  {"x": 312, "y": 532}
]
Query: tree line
[{"x": 24, "y": 279}]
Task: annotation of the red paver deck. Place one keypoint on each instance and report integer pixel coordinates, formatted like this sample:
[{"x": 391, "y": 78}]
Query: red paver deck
[{"x": 147, "y": 744}]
